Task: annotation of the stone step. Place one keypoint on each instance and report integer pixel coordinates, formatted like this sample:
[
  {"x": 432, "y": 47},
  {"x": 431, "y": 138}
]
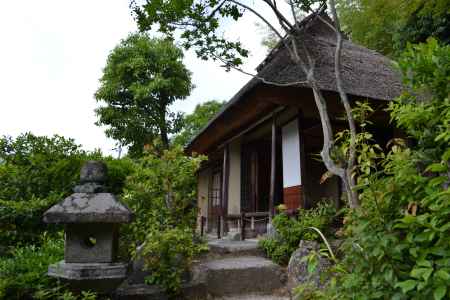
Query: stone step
[
  {"x": 220, "y": 248},
  {"x": 242, "y": 275},
  {"x": 253, "y": 297}
]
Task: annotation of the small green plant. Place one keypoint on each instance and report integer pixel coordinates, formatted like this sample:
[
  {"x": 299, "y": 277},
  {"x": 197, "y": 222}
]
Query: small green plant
[
  {"x": 290, "y": 230},
  {"x": 23, "y": 272},
  {"x": 161, "y": 192},
  {"x": 168, "y": 255}
]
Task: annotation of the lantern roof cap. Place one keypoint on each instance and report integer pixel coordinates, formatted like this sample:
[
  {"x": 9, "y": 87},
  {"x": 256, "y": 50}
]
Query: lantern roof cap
[
  {"x": 89, "y": 208},
  {"x": 90, "y": 203}
]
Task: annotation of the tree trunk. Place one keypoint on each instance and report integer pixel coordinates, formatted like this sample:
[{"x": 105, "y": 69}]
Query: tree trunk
[
  {"x": 163, "y": 128},
  {"x": 164, "y": 137}
]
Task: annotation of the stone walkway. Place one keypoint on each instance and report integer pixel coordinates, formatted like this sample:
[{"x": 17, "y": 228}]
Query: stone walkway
[
  {"x": 238, "y": 270},
  {"x": 231, "y": 270}
]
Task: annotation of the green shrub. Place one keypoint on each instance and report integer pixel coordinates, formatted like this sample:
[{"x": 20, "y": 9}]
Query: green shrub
[
  {"x": 168, "y": 255},
  {"x": 162, "y": 192},
  {"x": 290, "y": 230},
  {"x": 38, "y": 166},
  {"x": 118, "y": 171},
  {"x": 398, "y": 241},
  {"x": 23, "y": 273},
  {"x": 21, "y": 221},
  {"x": 36, "y": 172}
]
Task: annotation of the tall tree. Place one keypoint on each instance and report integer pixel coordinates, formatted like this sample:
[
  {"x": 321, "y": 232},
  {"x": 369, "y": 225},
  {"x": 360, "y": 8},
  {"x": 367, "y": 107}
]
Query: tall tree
[
  {"x": 388, "y": 25},
  {"x": 194, "y": 122},
  {"x": 199, "y": 22},
  {"x": 142, "y": 78}
]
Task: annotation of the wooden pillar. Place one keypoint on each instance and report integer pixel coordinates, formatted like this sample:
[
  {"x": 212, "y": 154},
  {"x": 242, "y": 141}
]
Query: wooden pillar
[
  {"x": 273, "y": 163},
  {"x": 225, "y": 183},
  {"x": 242, "y": 226},
  {"x": 301, "y": 136}
]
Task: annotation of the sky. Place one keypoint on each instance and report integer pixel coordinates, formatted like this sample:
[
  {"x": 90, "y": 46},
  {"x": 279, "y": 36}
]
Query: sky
[{"x": 52, "y": 53}]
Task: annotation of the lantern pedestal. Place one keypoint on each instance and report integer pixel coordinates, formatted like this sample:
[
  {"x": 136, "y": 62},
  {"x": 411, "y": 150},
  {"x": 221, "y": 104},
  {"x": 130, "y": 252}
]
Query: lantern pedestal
[{"x": 100, "y": 277}]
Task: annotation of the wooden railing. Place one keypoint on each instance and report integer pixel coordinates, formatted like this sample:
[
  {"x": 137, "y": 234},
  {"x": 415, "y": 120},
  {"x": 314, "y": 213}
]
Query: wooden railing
[{"x": 241, "y": 219}]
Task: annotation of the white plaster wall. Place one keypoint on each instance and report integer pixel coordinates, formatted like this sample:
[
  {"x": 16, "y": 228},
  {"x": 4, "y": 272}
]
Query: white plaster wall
[
  {"x": 291, "y": 155},
  {"x": 234, "y": 187},
  {"x": 202, "y": 192}
]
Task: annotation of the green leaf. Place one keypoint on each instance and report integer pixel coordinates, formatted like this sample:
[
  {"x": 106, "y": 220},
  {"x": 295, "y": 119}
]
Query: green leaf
[
  {"x": 407, "y": 285},
  {"x": 446, "y": 155},
  {"x": 424, "y": 273},
  {"x": 424, "y": 263},
  {"x": 436, "y": 167},
  {"x": 443, "y": 275},
  {"x": 439, "y": 293}
]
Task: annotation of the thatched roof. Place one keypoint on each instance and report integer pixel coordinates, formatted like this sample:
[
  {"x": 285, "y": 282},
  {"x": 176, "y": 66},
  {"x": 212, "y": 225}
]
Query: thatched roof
[{"x": 365, "y": 72}]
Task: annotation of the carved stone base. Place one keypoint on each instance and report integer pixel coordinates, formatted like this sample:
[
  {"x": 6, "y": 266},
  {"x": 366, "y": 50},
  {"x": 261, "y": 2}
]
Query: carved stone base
[{"x": 98, "y": 277}]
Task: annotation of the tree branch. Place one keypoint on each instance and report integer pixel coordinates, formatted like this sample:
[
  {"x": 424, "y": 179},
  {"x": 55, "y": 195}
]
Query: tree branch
[
  {"x": 259, "y": 16},
  {"x": 262, "y": 79},
  {"x": 327, "y": 131},
  {"x": 219, "y": 6},
  {"x": 291, "y": 4},
  {"x": 283, "y": 40},
  {"x": 281, "y": 18},
  {"x": 346, "y": 103}
]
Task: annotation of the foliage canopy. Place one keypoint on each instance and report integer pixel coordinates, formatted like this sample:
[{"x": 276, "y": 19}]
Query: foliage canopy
[
  {"x": 142, "y": 78},
  {"x": 388, "y": 25}
]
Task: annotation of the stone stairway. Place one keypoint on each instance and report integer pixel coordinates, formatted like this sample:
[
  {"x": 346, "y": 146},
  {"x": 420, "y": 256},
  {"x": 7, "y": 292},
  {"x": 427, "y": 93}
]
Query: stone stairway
[
  {"x": 231, "y": 270},
  {"x": 238, "y": 270}
]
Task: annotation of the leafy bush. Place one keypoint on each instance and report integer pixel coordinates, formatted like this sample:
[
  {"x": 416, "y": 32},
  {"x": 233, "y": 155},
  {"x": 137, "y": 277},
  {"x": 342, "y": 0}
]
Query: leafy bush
[
  {"x": 24, "y": 272},
  {"x": 118, "y": 171},
  {"x": 21, "y": 221},
  {"x": 38, "y": 166},
  {"x": 398, "y": 242},
  {"x": 168, "y": 255},
  {"x": 162, "y": 192},
  {"x": 290, "y": 230},
  {"x": 36, "y": 172}
]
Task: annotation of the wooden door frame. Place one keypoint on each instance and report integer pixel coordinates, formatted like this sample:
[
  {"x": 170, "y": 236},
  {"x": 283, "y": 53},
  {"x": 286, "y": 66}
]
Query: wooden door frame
[{"x": 214, "y": 210}]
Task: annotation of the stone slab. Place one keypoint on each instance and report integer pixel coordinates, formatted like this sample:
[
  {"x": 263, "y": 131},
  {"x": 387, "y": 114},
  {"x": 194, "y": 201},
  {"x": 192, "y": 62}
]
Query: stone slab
[
  {"x": 140, "y": 292},
  {"x": 225, "y": 246},
  {"x": 242, "y": 275},
  {"x": 93, "y": 271},
  {"x": 89, "y": 208},
  {"x": 253, "y": 297}
]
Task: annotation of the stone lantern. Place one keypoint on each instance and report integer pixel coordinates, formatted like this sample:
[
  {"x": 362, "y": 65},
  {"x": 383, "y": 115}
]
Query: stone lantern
[{"x": 91, "y": 217}]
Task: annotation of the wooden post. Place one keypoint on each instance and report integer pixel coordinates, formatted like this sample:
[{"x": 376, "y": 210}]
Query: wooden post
[
  {"x": 225, "y": 181},
  {"x": 202, "y": 225},
  {"x": 219, "y": 225},
  {"x": 302, "y": 166},
  {"x": 273, "y": 163},
  {"x": 242, "y": 226}
]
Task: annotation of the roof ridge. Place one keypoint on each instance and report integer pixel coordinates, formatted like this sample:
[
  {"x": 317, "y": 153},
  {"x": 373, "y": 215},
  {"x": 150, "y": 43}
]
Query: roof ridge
[{"x": 302, "y": 25}]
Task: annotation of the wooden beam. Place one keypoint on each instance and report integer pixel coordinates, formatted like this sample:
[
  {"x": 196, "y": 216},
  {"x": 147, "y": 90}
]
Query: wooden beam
[
  {"x": 252, "y": 126},
  {"x": 273, "y": 163},
  {"x": 225, "y": 183}
]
